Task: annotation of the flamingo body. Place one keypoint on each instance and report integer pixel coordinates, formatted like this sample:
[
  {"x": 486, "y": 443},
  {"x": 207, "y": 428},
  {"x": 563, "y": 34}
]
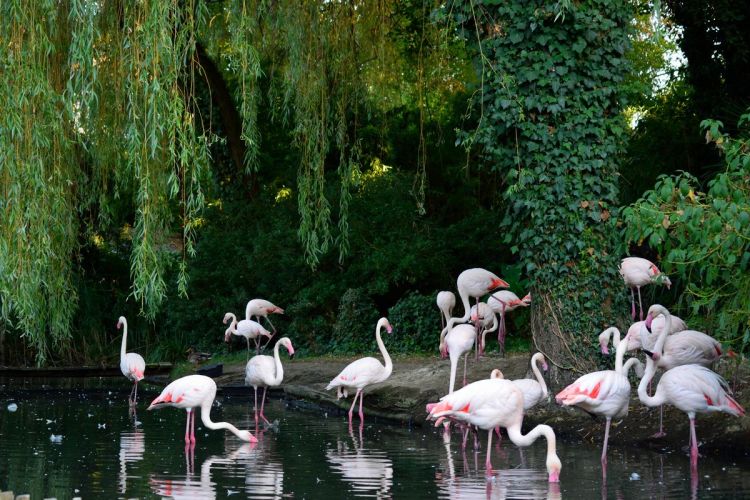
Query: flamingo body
[
  {"x": 446, "y": 301},
  {"x": 247, "y": 328},
  {"x": 132, "y": 364},
  {"x": 638, "y": 272},
  {"x": 503, "y": 302},
  {"x": 266, "y": 371},
  {"x": 459, "y": 340}
]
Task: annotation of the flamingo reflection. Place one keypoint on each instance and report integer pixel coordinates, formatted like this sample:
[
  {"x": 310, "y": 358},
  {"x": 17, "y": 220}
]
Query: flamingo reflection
[
  {"x": 368, "y": 471},
  {"x": 132, "y": 448}
]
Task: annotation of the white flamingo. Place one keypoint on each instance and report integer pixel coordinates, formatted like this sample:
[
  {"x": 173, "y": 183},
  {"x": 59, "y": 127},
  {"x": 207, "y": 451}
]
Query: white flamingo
[
  {"x": 485, "y": 319},
  {"x": 690, "y": 388},
  {"x": 446, "y": 301},
  {"x": 634, "y": 333},
  {"x": 605, "y": 393},
  {"x": 246, "y": 328},
  {"x": 132, "y": 364},
  {"x": 503, "y": 302},
  {"x": 458, "y": 341},
  {"x": 262, "y": 307},
  {"x": 491, "y": 403},
  {"x": 638, "y": 272},
  {"x": 189, "y": 393},
  {"x": 266, "y": 371},
  {"x": 534, "y": 391},
  {"x": 363, "y": 372}
]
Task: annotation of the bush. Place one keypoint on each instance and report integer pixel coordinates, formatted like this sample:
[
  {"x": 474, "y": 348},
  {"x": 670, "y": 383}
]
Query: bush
[{"x": 416, "y": 324}]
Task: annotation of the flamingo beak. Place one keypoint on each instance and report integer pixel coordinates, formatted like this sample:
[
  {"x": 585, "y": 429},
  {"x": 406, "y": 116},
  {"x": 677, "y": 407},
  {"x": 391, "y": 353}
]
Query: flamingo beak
[
  {"x": 545, "y": 366},
  {"x": 389, "y": 328},
  {"x": 554, "y": 476},
  {"x": 648, "y": 321},
  {"x": 650, "y": 354}
]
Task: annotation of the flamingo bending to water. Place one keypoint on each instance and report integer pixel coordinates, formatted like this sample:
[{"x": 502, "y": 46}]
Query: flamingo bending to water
[
  {"x": 246, "y": 328},
  {"x": 502, "y": 302},
  {"x": 266, "y": 371},
  {"x": 494, "y": 403},
  {"x": 132, "y": 364},
  {"x": 604, "y": 393},
  {"x": 459, "y": 340},
  {"x": 446, "y": 301},
  {"x": 638, "y": 272},
  {"x": 690, "y": 388},
  {"x": 363, "y": 372},
  {"x": 190, "y": 393}
]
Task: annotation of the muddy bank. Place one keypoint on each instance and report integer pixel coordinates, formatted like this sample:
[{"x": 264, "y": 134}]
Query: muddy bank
[{"x": 418, "y": 380}]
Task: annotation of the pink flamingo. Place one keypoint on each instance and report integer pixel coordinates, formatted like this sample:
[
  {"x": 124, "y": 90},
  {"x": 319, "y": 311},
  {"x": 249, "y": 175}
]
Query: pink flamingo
[
  {"x": 266, "y": 371},
  {"x": 487, "y": 322},
  {"x": 638, "y": 272},
  {"x": 634, "y": 333},
  {"x": 363, "y": 372},
  {"x": 246, "y": 328},
  {"x": 446, "y": 301},
  {"x": 690, "y": 388},
  {"x": 502, "y": 302},
  {"x": 262, "y": 307},
  {"x": 491, "y": 403},
  {"x": 132, "y": 364},
  {"x": 459, "y": 340},
  {"x": 534, "y": 391},
  {"x": 604, "y": 393},
  {"x": 190, "y": 393}
]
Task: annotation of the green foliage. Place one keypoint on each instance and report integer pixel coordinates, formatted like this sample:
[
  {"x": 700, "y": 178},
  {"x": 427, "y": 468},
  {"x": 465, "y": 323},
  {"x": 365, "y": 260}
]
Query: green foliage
[
  {"x": 704, "y": 237},
  {"x": 549, "y": 123},
  {"x": 355, "y": 323},
  {"x": 416, "y": 324}
]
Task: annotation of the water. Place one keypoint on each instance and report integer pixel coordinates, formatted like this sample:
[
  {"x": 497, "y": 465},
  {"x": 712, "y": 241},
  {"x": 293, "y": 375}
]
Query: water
[{"x": 103, "y": 452}]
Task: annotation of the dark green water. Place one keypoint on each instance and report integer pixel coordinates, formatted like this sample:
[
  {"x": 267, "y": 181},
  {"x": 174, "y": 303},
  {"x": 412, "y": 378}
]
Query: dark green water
[{"x": 105, "y": 453}]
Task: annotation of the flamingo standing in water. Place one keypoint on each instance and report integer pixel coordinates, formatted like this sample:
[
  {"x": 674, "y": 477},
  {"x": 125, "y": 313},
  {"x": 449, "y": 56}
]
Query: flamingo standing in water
[
  {"x": 690, "y": 388},
  {"x": 604, "y": 393},
  {"x": 190, "y": 393},
  {"x": 446, "y": 301},
  {"x": 266, "y": 371},
  {"x": 474, "y": 282},
  {"x": 502, "y": 302},
  {"x": 363, "y": 372},
  {"x": 132, "y": 364},
  {"x": 494, "y": 403},
  {"x": 638, "y": 272},
  {"x": 246, "y": 328}
]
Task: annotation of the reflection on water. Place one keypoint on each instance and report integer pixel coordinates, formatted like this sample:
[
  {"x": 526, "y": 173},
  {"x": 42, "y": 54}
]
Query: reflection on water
[
  {"x": 369, "y": 471},
  {"x": 106, "y": 453}
]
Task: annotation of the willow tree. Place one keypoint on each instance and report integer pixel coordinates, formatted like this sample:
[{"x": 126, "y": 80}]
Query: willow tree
[{"x": 549, "y": 120}]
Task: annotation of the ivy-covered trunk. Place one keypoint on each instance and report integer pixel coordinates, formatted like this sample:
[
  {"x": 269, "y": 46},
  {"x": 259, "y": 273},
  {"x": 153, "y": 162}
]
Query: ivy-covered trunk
[{"x": 550, "y": 122}]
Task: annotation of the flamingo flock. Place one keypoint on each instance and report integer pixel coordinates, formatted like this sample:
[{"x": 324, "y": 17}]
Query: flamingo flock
[{"x": 685, "y": 357}]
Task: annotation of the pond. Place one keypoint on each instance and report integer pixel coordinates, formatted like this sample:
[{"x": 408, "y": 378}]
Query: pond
[{"x": 75, "y": 437}]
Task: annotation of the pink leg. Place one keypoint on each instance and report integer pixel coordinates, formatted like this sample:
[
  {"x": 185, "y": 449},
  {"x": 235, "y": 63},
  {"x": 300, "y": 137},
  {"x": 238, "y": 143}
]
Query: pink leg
[
  {"x": 466, "y": 437},
  {"x": 499, "y": 435},
  {"x": 475, "y": 431},
  {"x": 361, "y": 413},
  {"x": 351, "y": 410},
  {"x": 192, "y": 427},
  {"x": 465, "y": 358},
  {"x": 255, "y": 405},
  {"x": 604, "y": 447},
  {"x": 135, "y": 393},
  {"x": 640, "y": 304},
  {"x": 262, "y": 404},
  {"x": 661, "y": 432},
  {"x": 488, "y": 462},
  {"x": 476, "y": 337},
  {"x": 693, "y": 447},
  {"x": 632, "y": 303},
  {"x": 187, "y": 426}
]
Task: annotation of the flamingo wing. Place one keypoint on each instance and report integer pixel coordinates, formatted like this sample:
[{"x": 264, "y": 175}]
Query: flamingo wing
[
  {"x": 186, "y": 392},
  {"x": 260, "y": 371},
  {"x": 359, "y": 373}
]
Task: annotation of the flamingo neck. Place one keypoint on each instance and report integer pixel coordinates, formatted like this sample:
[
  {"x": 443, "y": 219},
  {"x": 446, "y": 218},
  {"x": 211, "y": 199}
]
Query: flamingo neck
[
  {"x": 659, "y": 346},
  {"x": 534, "y": 368},
  {"x": 657, "y": 399},
  {"x": 206, "y": 419},
  {"x": 611, "y": 332},
  {"x": 386, "y": 357},
  {"x": 622, "y": 346},
  {"x": 630, "y": 363},
  {"x": 467, "y": 312},
  {"x": 248, "y": 310},
  {"x": 279, "y": 376},
  {"x": 124, "y": 339},
  {"x": 514, "y": 433}
]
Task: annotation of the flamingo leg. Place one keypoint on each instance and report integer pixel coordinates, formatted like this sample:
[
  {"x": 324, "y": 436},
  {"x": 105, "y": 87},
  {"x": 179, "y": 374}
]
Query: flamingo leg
[
  {"x": 351, "y": 410},
  {"x": 488, "y": 462},
  {"x": 477, "y": 446},
  {"x": 465, "y": 358},
  {"x": 661, "y": 432},
  {"x": 135, "y": 392},
  {"x": 262, "y": 405},
  {"x": 501, "y": 331},
  {"x": 640, "y": 304},
  {"x": 247, "y": 354},
  {"x": 187, "y": 426},
  {"x": 192, "y": 427},
  {"x": 632, "y": 303},
  {"x": 604, "y": 447},
  {"x": 693, "y": 447},
  {"x": 499, "y": 435},
  {"x": 255, "y": 405},
  {"x": 361, "y": 413},
  {"x": 476, "y": 337},
  {"x": 466, "y": 437}
]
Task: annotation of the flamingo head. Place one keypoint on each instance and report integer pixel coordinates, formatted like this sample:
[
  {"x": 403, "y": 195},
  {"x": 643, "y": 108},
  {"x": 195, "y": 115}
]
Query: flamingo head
[
  {"x": 648, "y": 321},
  {"x": 120, "y": 322},
  {"x": 443, "y": 350},
  {"x": 227, "y": 317},
  {"x": 388, "y": 327},
  {"x": 526, "y": 300},
  {"x": 496, "y": 373},
  {"x": 604, "y": 347},
  {"x": 651, "y": 354},
  {"x": 247, "y": 436},
  {"x": 545, "y": 366},
  {"x": 288, "y": 344},
  {"x": 553, "y": 467}
]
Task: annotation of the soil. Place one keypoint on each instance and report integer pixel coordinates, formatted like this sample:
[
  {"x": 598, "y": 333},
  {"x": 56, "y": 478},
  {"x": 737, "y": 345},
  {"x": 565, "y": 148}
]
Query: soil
[{"x": 417, "y": 381}]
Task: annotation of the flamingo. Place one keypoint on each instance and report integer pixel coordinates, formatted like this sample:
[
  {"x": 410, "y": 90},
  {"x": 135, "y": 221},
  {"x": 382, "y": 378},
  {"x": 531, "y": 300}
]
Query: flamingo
[
  {"x": 458, "y": 341},
  {"x": 266, "y": 371},
  {"x": 502, "y": 302},
  {"x": 446, "y": 301},
  {"x": 474, "y": 282},
  {"x": 682, "y": 348},
  {"x": 132, "y": 364},
  {"x": 604, "y": 393},
  {"x": 487, "y": 321},
  {"x": 262, "y": 307},
  {"x": 491, "y": 403},
  {"x": 691, "y": 388},
  {"x": 190, "y": 393},
  {"x": 246, "y": 328},
  {"x": 634, "y": 333},
  {"x": 534, "y": 391},
  {"x": 363, "y": 372},
  {"x": 638, "y": 272}
]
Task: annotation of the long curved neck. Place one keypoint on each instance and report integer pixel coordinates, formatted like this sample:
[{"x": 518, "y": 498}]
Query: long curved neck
[
  {"x": 534, "y": 368},
  {"x": 381, "y": 346},
  {"x": 514, "y": 433},
  {"x": 659, "y": 347},
  {"x": 622, "y": 346},
  {"x": 124, "y": 338},
  {"x": 656, "y": 399},
  {"x": 232, "y": 324},
  {"x": 279, "y": 376},
  {"x": 610, "y": 332},
  {"x": 630, "y": 363},
  {"x": 206, "y": 419},
  {"x": 463, "y": 319}
]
